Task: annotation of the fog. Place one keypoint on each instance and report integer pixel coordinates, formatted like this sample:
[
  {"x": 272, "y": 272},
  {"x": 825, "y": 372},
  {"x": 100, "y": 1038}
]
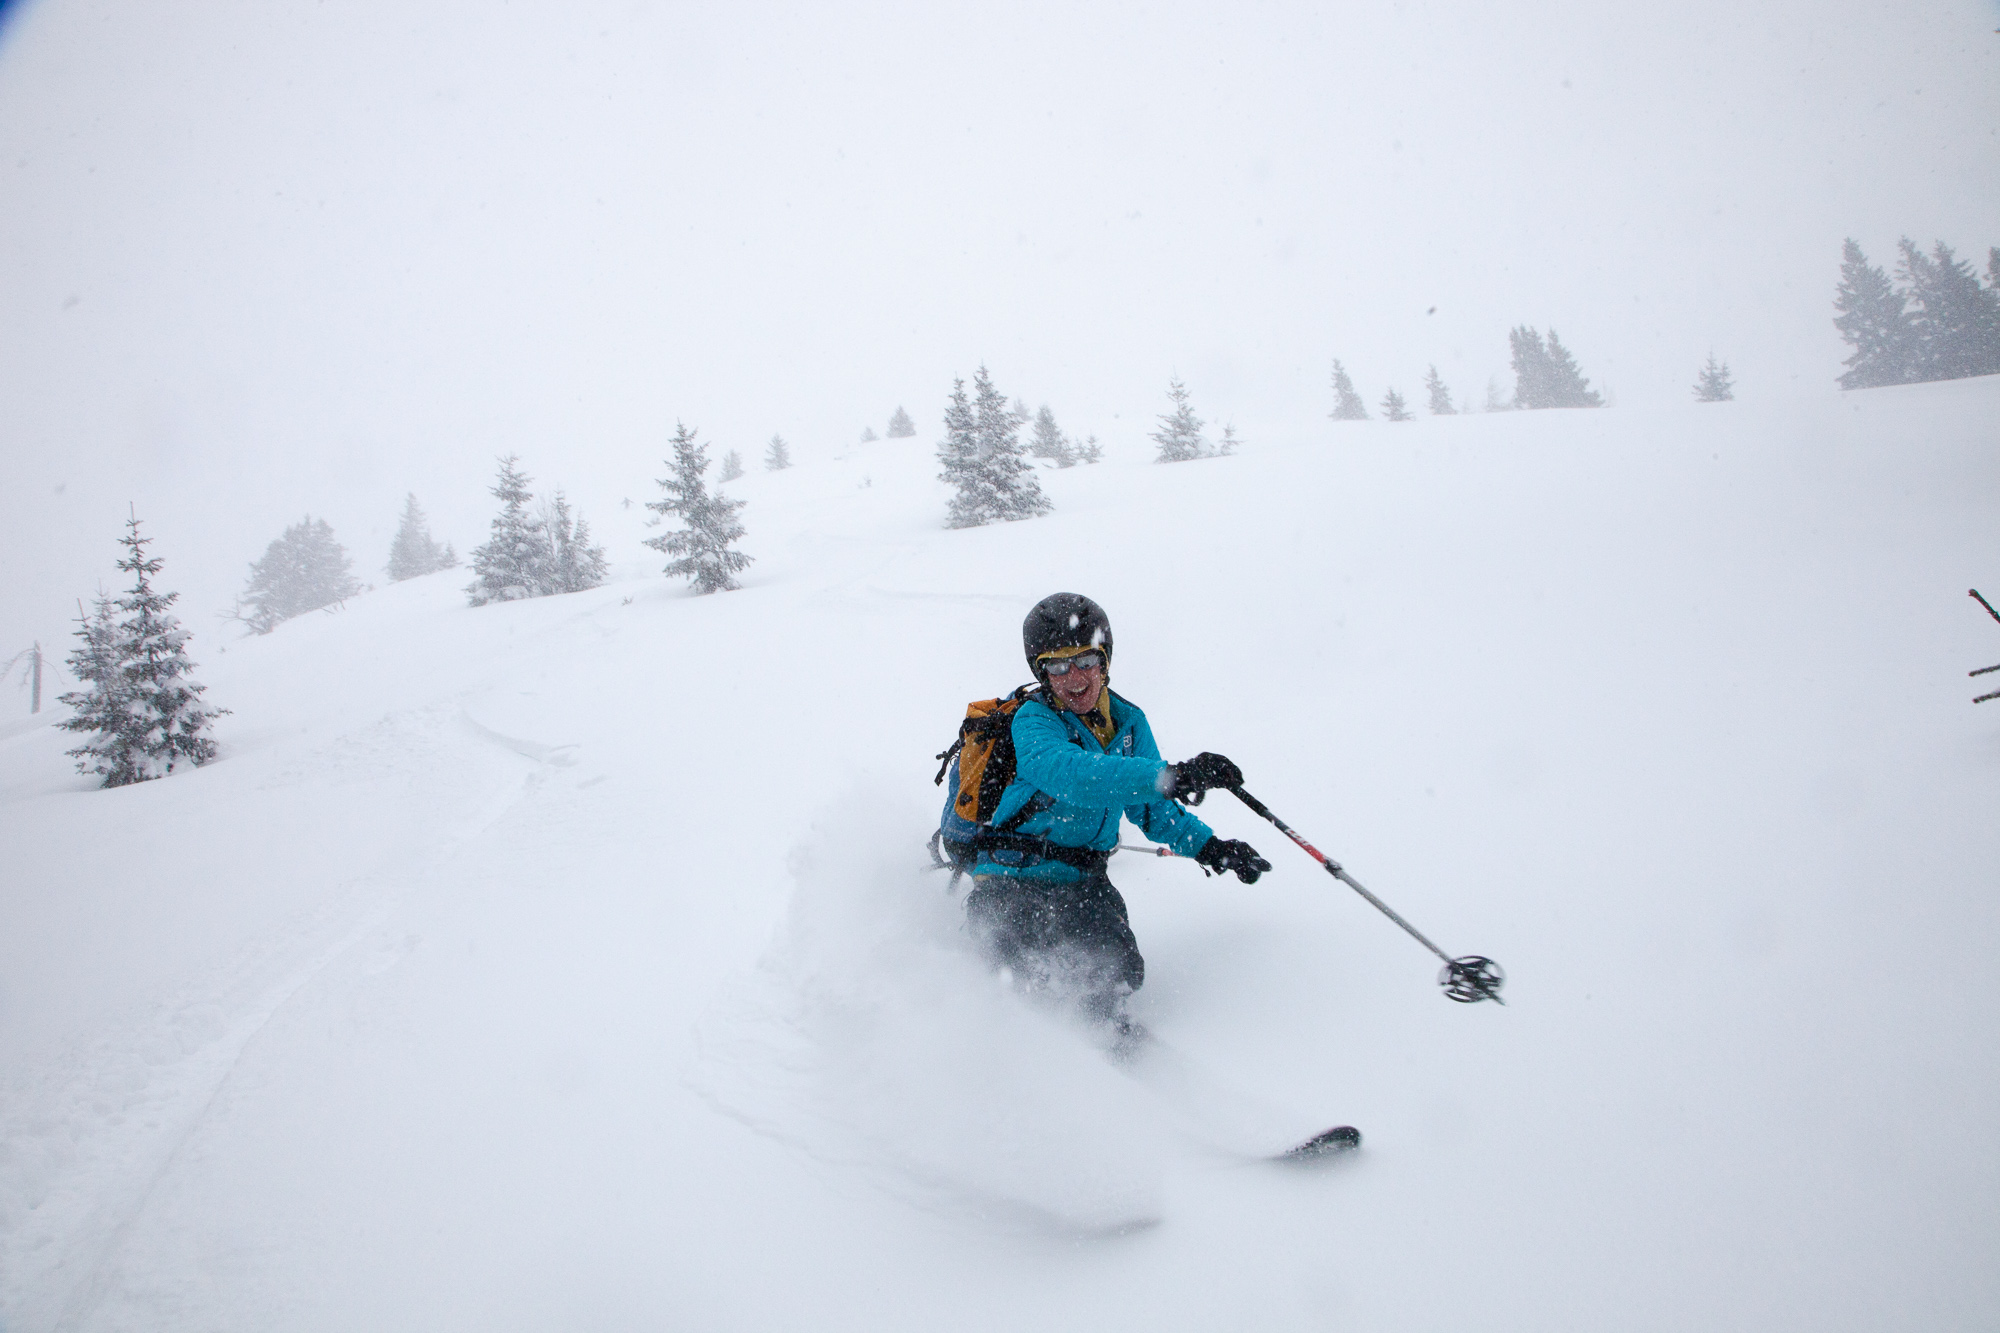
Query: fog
[{"x": 276, "y": 258}]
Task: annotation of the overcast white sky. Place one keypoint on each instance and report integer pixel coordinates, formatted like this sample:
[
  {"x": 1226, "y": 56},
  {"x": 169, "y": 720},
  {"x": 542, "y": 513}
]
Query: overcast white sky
[{"x": 265, "y": 257}]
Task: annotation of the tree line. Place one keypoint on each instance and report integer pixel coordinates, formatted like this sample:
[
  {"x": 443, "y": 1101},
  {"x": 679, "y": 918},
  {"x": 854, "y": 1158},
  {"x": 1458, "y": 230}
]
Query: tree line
[
  {"x": 1935, "y": 321},
  {"x": 139, "y": 708},
  {"x": 1545, "y": 375}
]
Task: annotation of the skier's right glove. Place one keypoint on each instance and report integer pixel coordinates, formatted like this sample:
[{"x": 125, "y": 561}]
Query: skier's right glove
[
  {"x": 1194, "y": 778},
  {"x": 1224, "y": 855}
]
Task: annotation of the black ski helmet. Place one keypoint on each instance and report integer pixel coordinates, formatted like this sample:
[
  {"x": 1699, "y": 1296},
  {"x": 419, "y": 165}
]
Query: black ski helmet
[{"x": 1065, "y": 620}]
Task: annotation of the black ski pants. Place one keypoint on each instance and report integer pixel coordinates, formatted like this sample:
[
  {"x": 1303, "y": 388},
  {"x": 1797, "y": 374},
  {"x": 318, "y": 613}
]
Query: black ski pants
[{"x": 1067, "y": 937}]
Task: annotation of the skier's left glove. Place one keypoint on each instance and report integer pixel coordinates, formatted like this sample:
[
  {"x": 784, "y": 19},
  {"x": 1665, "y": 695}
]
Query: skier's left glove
[{"x": 1223, "y": 855}]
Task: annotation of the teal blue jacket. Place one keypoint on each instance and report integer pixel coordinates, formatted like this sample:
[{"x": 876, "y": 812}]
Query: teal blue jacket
[{"x": 1078, "y": 789}]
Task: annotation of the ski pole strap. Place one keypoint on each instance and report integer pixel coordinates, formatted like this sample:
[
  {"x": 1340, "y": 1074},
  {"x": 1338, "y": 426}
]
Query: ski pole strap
[{"x": 1333, "y": 868}]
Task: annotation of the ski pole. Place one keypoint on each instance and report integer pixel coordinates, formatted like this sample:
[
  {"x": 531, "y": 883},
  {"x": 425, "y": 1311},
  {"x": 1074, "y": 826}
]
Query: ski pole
[
  {"x": 1974, "y": 593},
  {"x": 1467, "y": 980},
  {"x": 1150, "y": 851}
]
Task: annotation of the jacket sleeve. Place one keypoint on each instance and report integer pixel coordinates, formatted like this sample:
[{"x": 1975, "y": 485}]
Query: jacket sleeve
[
  {"x": 1165, "y": 821},
  {"x": 1047, "y": 759}
]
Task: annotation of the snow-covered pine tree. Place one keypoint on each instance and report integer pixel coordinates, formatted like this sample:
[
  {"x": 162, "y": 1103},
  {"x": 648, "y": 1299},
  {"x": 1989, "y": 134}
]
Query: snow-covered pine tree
[
  {"x": 958, "y": 456},
  {"x": 514, "y": 562},
  {"x": 1047, "y": 441},
  {"x": 778, "y": 456},
  {"x": 982, "y": 458},
  {"x": 1713, "y": 385},
  {"x": 900, "y": 425},
  {"x": 1347, "y": 404},
  {"x": 414, "y": 552},
  {"x": 1567, "y": 379},
  {"x": 1015, "y": 486},
  {"x": 1229, "y": 443},
  {"x": 1545, "y": 374},
  {"x": 144, "y": 709},
  {"x": 1050, "y": 442},
  {"x": 1530, "y": 358},
  {"x": 304, "y": 570},
  {"x": 1871, "y": 316},
  {"x": 1090, "y": 451},
  {"x": 1020, "y": 412},
  {"x": 575, "y": 562},
  {"x": 103, "y": 709},
  {"x": 1440, "y": 395},
  {"x": 1179, "y": 435},
  {"x": 868, "y": 435},
  {"x": 732, "y": 466},
  {"x": 700, "y": 549},
  {"x": 1954, "y": 320},
  {"x": 1394, "y": 408},
  {"x": 1494, "y": 402},
  {"x": 176, "y": 721}
]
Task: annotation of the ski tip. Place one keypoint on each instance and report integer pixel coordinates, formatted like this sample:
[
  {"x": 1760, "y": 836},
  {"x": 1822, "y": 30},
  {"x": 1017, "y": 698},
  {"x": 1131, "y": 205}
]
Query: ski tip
[{"x": 1327, "y": 1143}]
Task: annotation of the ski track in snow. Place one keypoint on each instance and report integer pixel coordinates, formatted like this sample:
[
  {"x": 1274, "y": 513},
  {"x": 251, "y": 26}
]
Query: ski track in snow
[{"x": 74, "y": 1174}]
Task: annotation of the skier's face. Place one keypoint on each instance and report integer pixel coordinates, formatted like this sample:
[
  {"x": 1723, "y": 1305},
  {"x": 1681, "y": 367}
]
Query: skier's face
[{"x": 1078, "y": 688}]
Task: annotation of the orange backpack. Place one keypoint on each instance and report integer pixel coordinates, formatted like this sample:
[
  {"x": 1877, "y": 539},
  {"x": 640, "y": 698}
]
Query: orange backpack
[{"x": 985, "y": 753}]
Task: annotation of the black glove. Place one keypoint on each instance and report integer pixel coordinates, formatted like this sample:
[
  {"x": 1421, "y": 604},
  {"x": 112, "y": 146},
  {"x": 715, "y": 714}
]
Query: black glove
[
  {"x": 1194, "y": 777},
  {"x": 1223, "y": 855}
]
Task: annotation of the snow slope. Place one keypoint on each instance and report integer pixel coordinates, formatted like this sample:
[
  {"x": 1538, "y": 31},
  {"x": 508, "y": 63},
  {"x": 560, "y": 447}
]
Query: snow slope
[{"x": 571, "y": 964}]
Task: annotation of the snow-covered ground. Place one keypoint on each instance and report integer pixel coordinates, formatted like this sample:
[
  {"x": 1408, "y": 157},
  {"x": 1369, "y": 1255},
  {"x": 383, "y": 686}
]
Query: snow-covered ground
[{"x": 572, "y": 964}]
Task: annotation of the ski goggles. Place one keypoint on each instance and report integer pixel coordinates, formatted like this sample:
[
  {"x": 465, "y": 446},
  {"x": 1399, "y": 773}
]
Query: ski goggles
[{"x": 1061, "y": 666}]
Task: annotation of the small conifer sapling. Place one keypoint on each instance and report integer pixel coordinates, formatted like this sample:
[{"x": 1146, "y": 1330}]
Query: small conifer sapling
[
  {"x": 1047, "y": 440},
  {"x": 414, "y": 552},
  {"x": 1713, "y": 385},
  {"x": 1440, "y": 396},
  {"x": 1179, "y": 437},
  {"x": 1347, "y": 404}
]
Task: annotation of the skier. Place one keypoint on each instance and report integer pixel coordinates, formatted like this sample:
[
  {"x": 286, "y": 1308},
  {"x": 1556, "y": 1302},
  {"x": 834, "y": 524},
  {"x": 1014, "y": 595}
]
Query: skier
[{"x": 1041, "y": 905}]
